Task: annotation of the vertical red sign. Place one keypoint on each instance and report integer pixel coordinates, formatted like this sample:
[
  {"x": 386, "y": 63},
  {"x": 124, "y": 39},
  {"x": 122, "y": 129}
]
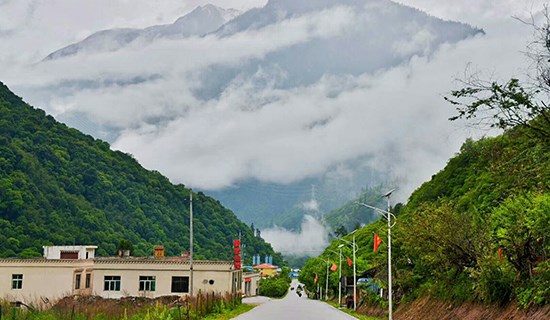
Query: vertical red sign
[{"x": 237, "y": 254}]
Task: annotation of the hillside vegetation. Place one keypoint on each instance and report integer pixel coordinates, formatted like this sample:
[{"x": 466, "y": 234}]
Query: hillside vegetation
[
  {"x": 350, "y": 216},
  {"x": 493, "y": 196},
  {"x": 61, "y": 187}
]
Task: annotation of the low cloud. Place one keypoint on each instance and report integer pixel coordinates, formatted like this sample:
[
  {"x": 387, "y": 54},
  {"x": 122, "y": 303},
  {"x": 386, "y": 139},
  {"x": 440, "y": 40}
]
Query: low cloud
[
  {"x": 310, "y": 241},
  {"x": 394, "y": 120},
  {"x": 311, "y": 205}
]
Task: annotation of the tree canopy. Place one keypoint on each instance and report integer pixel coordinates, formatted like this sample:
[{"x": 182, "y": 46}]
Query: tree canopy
[{"x": 59, "y": 186}]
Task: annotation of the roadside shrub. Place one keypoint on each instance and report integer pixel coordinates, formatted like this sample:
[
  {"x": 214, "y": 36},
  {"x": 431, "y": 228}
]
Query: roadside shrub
[
  {"x": 537, "y": 290},
  {"x": 275, "y": 287},
  {"x": 495, "y": 282}
]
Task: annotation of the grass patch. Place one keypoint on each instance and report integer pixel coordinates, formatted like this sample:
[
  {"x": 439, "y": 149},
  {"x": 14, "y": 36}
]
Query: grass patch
[
  {"x": 230, "y": 314},
  {"x": 352, "y": 313}
]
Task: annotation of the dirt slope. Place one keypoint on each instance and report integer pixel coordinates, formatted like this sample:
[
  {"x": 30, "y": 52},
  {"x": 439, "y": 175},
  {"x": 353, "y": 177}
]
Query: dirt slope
[{"x": 426, "y": 308}]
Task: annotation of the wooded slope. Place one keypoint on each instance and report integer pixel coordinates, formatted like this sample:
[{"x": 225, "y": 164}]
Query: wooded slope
[{"x": 59, "y": 186}]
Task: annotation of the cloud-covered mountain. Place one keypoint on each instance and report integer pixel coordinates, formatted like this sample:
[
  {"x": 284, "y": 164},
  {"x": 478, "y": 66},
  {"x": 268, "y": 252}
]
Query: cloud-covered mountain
[
  {"x": 380, "y": 34},
  {"x": 202, "y": 20},
  {"x": 295, "y": 93}
]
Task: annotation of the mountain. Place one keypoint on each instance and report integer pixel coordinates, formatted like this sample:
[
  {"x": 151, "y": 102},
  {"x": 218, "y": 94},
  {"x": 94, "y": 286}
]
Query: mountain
[
  {"x": 351, "y": 215},
  {"x": 389, "y": 34},
  {"x": 381, "y": 35},
  {"x": 202, "y": 20},
  {"x": 476, "y": 232},
  {"x": 385, "y": 35},
  {"x": 59, "y": 186},
  {"x": 286, "y": 205}
]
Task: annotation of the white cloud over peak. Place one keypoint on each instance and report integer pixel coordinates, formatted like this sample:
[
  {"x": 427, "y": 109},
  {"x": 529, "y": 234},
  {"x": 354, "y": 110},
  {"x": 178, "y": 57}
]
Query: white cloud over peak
[
  {"x": 394, "y": 119},
  {"x": 310, "y": 241}
]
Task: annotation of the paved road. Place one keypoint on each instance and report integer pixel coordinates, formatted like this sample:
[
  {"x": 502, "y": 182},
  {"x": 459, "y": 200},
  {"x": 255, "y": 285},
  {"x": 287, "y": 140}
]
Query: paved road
[{"x": 294, "y": 307}]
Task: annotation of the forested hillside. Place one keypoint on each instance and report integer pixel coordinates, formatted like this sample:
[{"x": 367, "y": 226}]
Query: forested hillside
[
  {"x": 61, "y": 187},
  {"x": 477, "y": 231},
  {"x": 350, "y": 216}
]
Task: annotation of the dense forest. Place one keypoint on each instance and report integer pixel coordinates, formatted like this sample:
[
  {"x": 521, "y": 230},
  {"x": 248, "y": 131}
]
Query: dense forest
[
  {"x": 477, "y": 231},
  {"x": 351, "y": 216},
  {"x": 59, "y": 186}
]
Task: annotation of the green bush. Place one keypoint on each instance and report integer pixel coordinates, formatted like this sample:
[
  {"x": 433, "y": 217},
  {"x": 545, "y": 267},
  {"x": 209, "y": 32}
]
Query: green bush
[
  {"x": 275, "y": 287},
  {"x": 537, "y": 290},
  {"x": 495, "y": 283}
]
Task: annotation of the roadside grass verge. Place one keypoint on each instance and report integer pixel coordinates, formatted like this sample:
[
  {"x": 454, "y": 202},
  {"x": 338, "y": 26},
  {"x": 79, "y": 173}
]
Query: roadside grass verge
[
  {"x": 352, "y": 313},
  {"x": 230, "y": 314}
]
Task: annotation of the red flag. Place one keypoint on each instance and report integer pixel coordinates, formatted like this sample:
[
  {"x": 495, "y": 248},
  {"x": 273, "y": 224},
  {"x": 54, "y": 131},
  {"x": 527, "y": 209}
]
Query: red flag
[
  {"x": 377, "y": 242},
  {"x": 349, "y": 261},
  {"x": 499, "y": 254},
  {"x": 334, "y": 267},
  {"x": 316, "y": 279}
]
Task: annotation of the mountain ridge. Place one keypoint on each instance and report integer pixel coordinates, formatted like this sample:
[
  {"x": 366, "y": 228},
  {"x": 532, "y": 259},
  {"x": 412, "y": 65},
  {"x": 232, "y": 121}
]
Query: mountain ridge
[
  {"x": 476, "y": 232},
  {"x": 59, "y": 186},
  {"x": 384, "y": 35},
  {"x": 200, "y": 21}
]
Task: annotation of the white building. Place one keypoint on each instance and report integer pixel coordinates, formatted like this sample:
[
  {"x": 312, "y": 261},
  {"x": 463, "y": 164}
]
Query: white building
[
  {"x": 69, "y": 252},
  {"x": 79, "y": 272},
  {"x": 250, "y": 283}
]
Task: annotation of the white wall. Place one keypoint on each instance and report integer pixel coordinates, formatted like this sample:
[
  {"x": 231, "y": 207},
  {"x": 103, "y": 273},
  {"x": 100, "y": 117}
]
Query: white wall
[
  {"x": 51, "y": 279},
  {"x": 54, "y": 252},
  {"x": 42, "y": 280},
  {"x": 163, "y": 273}
]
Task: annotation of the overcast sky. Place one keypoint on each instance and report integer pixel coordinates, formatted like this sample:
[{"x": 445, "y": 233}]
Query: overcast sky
[
  {"x": 32, "y": 28},
  {"x": 408, "y": 134},
  {"x": 394, "y": 120}
]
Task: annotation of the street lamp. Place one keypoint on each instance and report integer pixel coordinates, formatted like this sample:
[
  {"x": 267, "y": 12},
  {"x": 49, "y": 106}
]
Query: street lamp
[
  {"x": 354, "y": 246},
  {"x": 326, "y": 282},
  {"x": 191, "y": 242},
  {"x": 339, "y": 274},
  {"x": 388, "y": 215}
]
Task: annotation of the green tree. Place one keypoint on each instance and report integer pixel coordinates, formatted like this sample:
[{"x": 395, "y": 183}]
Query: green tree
[
  {"x": 125, "y": 245},
  {"x": 521, "y": 227},
  {"x": 340, "y": 231},
  {"x": 59, "y": 186},
  {"x": 510, "y": 104}
]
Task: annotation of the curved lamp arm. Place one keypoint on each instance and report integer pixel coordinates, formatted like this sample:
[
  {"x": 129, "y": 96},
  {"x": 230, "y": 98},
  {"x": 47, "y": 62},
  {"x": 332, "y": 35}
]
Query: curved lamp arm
[{"x": 383, "y": 213}]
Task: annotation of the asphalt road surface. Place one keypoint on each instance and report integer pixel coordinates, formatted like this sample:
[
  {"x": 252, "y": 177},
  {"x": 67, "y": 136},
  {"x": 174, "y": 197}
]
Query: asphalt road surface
[{"x": 294, "y": 307}]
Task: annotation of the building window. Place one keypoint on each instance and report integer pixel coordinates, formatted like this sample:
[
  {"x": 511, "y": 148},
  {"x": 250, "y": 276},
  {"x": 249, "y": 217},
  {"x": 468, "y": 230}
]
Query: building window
[
  {"x": 112, "y": 283},
  {"x": 146, "y": 283},
  {"x": 88, "y": 280},
  {"x": 69, "y": 255},
  {"x": 180, "y": 284},
  {"x": 17, "y": 281},
  {"x": 77, "y": 281}
]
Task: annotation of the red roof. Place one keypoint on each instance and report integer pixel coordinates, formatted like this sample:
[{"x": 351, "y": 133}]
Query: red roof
[{"x": 265, "y": 266}]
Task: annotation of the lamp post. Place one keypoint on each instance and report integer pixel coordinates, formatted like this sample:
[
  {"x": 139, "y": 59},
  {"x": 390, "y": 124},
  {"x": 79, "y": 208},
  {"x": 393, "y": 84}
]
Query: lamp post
[
  {"x": 339, "y": 274},
  {"x": 191, "y": 242},
  {"x": 354, "y": 246},
  {"x": 326, "y": 283},
  {"x": 388, "y": 215}
]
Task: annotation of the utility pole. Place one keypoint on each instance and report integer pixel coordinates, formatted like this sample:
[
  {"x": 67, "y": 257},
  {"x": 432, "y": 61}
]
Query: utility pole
[
  {"x": 340, "y": 280},
  {"x": 339, "y": 273},
  {"x": 387, "y": 195},
  {"x": 326, "y": 284},
  {"x": 354, "y": 247},
  {"x": 191, "y": 241},
  {"x": 388, "y": 215},
  {"x": 354, "y": 276},
  {"x": 241, "y": 253}
]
